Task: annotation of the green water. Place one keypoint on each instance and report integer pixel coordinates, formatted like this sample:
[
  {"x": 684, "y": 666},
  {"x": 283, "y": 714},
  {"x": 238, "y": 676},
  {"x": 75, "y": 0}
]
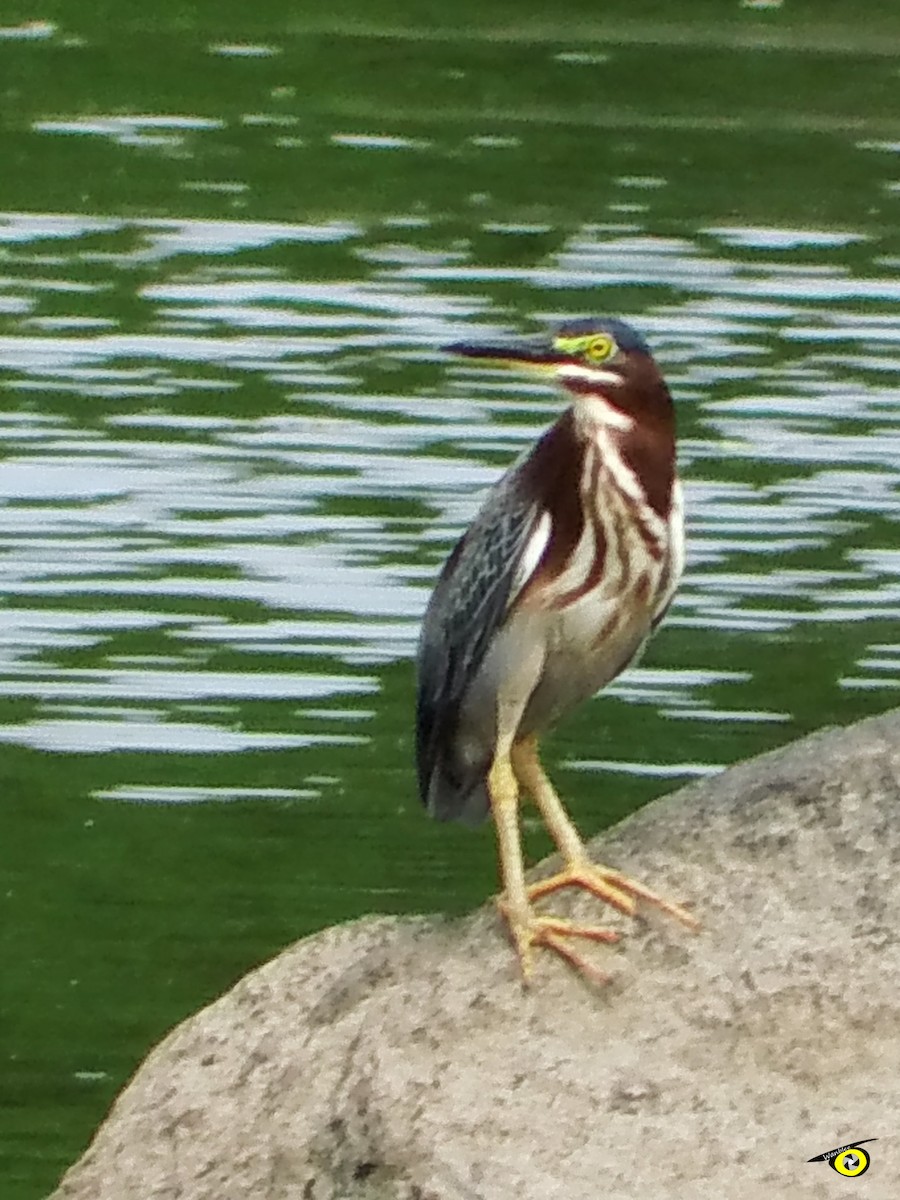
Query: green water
[{"x": 231, "y": 459}]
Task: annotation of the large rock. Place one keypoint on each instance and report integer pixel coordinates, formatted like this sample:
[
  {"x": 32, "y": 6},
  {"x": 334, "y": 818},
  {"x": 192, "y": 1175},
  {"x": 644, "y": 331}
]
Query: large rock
[{"x": 403, "y": 1058}]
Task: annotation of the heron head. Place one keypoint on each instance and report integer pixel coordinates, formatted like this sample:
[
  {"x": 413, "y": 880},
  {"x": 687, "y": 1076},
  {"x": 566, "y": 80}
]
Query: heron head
[{"x": 599, "y": 357}]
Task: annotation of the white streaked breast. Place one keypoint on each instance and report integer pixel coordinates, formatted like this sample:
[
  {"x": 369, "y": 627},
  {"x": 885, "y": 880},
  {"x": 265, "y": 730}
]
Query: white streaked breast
[{"x": 629, "y": 485}]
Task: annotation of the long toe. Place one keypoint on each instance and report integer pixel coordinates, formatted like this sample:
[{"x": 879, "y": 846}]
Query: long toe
[
  {"x": 530, "y": 930},
  {"x": 641, "y": 892},
  {"x": 558, "y": 943},
  {"x": 544, "y": 928},
  {"x": 612, "y": 887},
  {"x": 591, "y": 879}
]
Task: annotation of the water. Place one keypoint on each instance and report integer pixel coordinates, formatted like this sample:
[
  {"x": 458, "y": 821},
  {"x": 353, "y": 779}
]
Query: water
[{"x": 232, "y": 460}]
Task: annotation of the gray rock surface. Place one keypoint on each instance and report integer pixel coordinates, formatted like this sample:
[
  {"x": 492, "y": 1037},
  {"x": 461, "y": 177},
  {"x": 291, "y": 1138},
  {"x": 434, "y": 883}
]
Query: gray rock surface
[{"x": 402, "y": 1059}]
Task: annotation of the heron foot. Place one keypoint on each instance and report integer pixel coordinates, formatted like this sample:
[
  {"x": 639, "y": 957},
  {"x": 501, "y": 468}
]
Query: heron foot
[
  {"x": 529, "y": 930},
  {"x": 612, "y": 887}
]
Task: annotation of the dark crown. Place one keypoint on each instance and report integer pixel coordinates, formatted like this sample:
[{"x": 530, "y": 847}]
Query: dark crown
[{"x": 626, "y": 338}]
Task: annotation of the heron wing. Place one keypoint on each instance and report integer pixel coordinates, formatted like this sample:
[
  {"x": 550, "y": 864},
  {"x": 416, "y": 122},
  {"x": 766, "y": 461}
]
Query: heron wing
[{"x": 479, "y": 582}]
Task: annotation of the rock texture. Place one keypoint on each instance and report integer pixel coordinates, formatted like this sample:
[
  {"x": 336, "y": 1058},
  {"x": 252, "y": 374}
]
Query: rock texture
[{"x": 402, "y": 1059}]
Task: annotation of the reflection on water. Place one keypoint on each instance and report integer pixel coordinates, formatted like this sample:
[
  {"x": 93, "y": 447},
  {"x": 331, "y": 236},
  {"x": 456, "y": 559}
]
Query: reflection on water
[{"x": 135, "y": 509}]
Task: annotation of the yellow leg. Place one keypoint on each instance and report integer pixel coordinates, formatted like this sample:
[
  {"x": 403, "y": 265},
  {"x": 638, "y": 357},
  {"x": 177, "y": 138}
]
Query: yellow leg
[
  {"x": 504, "y": 793},
  {"x": 578, "y": 871},
  {"x": 527, "y": 929}
]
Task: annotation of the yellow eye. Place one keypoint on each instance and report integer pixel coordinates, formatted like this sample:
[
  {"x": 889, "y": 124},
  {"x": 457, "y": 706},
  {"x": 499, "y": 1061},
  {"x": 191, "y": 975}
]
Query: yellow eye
[{"x": 600, "y": 348}]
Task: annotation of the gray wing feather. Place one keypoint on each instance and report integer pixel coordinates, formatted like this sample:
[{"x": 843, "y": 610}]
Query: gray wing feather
[{"x": 467, "y": 608}]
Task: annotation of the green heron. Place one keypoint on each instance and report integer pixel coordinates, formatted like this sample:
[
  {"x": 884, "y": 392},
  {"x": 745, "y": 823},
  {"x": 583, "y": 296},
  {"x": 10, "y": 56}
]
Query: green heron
[{"x": 566, "y": 570}]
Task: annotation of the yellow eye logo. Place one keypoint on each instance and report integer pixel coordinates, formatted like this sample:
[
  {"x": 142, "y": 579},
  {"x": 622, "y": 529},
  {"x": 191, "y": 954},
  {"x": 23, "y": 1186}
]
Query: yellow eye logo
[
  {"x": 600, "y": 348},
  {"x": 851, "y": 1162},
  {"x": 848, "y": 1161}
]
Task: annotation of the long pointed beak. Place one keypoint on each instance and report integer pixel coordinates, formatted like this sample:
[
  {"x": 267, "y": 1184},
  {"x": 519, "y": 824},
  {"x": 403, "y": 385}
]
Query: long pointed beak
[{"x": 535, "y": 353}]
